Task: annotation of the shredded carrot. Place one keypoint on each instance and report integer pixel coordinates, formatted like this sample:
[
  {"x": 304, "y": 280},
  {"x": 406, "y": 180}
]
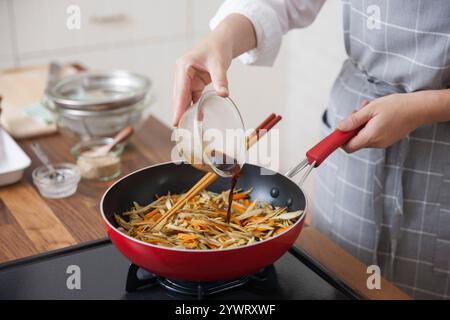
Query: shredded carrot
[
  {"x": 255, "y": 219},
  {"x": 185, "y": 237},
  {"x": 237, "y": 221},
  {"x": 260, "y": 229},
  {"x": 279, "y": 230},
  {"x": 221, "y": 228},
  {"x": 193, "y": 200},
  {"x": 198, "y": 224},
  {"x": 222, "y": 212},
  {"x": 154, "y": 241},
  {"x": 238, "y": 208},
  {"x": 157, "y": 216},
  {"x": 239, "y": 196},
  {"x": 151, "y": 214},
  {"x": 191, "y": 245}
]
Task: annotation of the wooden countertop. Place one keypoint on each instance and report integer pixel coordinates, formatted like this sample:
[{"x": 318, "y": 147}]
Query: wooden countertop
[{"x": 30, "y": 224}]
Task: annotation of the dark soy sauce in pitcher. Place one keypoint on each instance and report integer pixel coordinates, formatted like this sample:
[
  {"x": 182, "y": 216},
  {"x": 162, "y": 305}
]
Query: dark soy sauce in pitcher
[{"x": 231, "y": 167}]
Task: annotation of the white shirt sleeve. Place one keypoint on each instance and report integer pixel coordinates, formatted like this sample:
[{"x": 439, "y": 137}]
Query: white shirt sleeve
[{"x": 271, "y": 20}]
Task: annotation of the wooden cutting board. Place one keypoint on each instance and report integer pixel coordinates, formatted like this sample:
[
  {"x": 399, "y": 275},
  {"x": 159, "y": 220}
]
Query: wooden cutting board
[{"x": 20, "y": 88}]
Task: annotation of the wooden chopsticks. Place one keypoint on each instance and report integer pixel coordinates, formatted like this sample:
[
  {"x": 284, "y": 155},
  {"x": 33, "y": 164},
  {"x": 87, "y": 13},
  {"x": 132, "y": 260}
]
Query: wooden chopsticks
[
  {"x": 262, "y": 129},
  {"x": 210, "y": 177}
]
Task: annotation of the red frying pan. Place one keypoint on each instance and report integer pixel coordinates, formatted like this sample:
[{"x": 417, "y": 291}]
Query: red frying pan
[{"x": 212, "y": 265}]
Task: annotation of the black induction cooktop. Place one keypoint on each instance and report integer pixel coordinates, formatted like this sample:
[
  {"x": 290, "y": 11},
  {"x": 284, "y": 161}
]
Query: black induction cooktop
[{"x": 103, "y": 273}]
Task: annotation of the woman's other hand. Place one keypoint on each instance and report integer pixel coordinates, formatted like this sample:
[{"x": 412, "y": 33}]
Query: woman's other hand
[{"x": 387, "y": 120}]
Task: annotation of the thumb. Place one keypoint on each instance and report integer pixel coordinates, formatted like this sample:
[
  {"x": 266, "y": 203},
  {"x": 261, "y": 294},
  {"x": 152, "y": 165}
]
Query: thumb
[
  {"x": 356, "y": 119},
  {"x": 219, "y": 80}
]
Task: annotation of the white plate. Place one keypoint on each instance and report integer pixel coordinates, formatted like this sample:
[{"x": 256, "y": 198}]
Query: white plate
[{"x": 13, "y": 161}]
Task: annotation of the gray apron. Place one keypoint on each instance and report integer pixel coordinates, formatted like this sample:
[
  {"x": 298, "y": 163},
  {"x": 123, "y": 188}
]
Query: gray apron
[{"x": 391, "y": 207}]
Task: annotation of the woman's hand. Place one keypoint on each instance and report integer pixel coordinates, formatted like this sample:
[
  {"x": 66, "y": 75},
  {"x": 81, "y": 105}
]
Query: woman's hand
[
  {"x": 209, "y": 61},
  {"x": 206, "y": 63},
  {"x": 387, "y": 120}
]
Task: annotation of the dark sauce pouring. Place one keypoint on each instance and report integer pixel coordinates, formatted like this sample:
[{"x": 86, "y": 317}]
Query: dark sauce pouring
[{"x": 231, "y": 167}]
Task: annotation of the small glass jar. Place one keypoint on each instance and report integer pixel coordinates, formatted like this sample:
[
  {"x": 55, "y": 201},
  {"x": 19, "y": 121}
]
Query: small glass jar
[
  {"x": 211, "y": 135},
  {"x": 56, "y": 181},
  {"x": 94, "y": 167}
]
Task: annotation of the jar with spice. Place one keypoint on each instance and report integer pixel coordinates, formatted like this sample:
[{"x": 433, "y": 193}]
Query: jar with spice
[{"x": 94, "y": 165}]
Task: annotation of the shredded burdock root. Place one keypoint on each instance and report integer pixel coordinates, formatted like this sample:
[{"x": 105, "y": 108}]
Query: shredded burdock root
[{"x": 201, "y": 222}]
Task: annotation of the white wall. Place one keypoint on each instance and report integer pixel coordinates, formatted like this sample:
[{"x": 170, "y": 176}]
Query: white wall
[{"x": 296, "y": 87}]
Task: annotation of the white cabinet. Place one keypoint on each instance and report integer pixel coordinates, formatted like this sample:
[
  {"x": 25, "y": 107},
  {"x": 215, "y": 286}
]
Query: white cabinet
[
  {"x": 41, "y": 25},
  {"x": 6, "y": 42}
]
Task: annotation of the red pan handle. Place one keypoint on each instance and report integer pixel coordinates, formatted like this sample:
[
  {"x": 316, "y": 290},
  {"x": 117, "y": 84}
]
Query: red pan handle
[{"x": 329, "y": 144}]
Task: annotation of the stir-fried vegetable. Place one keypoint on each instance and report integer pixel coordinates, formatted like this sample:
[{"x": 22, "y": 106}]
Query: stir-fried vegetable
[{"x": 201, "y": 222}]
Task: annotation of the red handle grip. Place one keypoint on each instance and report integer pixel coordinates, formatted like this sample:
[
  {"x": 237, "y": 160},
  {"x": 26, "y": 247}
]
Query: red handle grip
[{"x": 329, "y": 144}]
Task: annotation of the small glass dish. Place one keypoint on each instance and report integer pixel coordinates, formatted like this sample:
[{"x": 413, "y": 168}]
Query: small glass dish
[
  {"x": 211, "y": 133},
  {"x": 101, "y": 168},
  {"x": 56, "y": 181}
]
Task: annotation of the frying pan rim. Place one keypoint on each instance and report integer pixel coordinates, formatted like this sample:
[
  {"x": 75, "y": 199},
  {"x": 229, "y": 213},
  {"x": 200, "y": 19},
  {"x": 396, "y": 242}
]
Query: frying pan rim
[{"x": 300, "y": 220}]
